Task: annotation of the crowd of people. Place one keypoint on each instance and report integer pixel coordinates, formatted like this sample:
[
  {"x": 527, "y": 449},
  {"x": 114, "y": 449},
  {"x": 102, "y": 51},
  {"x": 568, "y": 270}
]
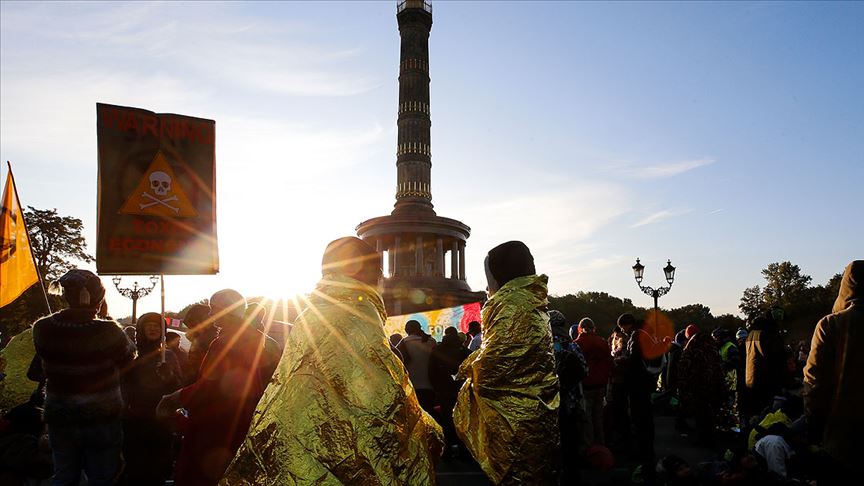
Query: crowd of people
[{"x": 530, "y": 396}]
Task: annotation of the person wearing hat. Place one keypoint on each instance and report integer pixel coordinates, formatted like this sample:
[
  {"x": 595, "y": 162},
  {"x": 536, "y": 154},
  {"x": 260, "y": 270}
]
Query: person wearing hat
[
  {"x": 236, "y": 370},
  {"x": 507, "y": 410},
  {"x": 341, "y": 408},
  {"x": 82, "y": 356},
  {"x": 599, "y": 358}
]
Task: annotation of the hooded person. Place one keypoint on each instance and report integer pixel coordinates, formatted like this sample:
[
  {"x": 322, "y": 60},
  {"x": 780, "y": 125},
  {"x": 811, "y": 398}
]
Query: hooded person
[
  {"x": 507, "y": 410},
  {"x": 236, "y": 369},
  {"x": 700, "y": 383},
  {"x": 341, "y": 408},
  {"x": 834, "y": 374}
]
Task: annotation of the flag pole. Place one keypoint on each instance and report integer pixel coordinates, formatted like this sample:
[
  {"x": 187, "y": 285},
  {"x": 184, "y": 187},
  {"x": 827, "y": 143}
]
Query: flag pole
[{"x": 27, "y": 232}]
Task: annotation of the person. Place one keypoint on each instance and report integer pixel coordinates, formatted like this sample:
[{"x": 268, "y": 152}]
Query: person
[
  {"x": 476, "y": 334},
  {"x": 394, "y": 340},
  {"x": 416, "y": 348},
  {"x": 172, "y": 341},
  {"x": 201, "y": 334},
  {"x": 765, "y": 371},
  {"x": 701, "y": 384},
  {"x": 507, "y": 410},
  {"x": 341, "y": 408},
  {"x": 731, "y": 358},
  {"x": 599, "y": 358},
  {"x": 236, "y": 370},
  {"x": 834, "y": 374},
  {"x": 81, "y": 357},
  {"x": 571, "y": 368},
  {"x": 640, "y": 382},
  {"x": 444, "y": 364},
  {"x": 147, "y": 440},
  {"x": 670, "y": 379},
  {"x": 617, "y": 416}
]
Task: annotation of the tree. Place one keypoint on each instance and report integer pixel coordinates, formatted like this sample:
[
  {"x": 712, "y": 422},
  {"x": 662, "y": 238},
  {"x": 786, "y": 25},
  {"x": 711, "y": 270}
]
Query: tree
[
  {"x": 785, "y": 284},
  {"x": 752, "y": 303},
  {"x": 691, "y": 314},
  {"x": 56, "y": 240}
]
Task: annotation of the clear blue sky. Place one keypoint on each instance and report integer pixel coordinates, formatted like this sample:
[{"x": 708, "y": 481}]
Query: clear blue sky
[{"x": 724, "y": 136}]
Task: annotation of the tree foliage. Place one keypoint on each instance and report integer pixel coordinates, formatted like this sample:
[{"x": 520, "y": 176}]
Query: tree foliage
[
  {"x": 784, "y": 284},
  {"x": 56, "y": 241},
  {"x": 752, "y": 303}
]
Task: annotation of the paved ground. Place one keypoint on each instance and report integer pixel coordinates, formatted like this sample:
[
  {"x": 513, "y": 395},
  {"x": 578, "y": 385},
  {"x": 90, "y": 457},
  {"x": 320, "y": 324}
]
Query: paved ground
[{"x": 667, "y": 441}]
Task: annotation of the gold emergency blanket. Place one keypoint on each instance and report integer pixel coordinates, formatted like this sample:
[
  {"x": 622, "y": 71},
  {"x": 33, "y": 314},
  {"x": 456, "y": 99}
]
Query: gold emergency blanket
[
  {"x": 507, "y": 410},
  {"x": 15, "y": 358},
  {"x": 340, "y": 408}
]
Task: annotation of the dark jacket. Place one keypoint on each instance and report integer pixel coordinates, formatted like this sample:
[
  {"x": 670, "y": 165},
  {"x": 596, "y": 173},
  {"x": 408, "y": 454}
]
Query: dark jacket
[
  {"x": 443, "y": 365},
  {"x": 81, "y": 357},
  {"x": 766, "y": 361},
  {"x": 834, "y": 374}
]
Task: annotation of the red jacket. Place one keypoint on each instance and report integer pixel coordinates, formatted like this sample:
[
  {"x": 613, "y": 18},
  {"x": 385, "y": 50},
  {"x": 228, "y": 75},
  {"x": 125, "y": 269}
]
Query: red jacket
[{"x": 599, "y": 359}]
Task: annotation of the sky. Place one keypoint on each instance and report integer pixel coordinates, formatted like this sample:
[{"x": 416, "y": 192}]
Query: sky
[{"x": 722, "y": 136}]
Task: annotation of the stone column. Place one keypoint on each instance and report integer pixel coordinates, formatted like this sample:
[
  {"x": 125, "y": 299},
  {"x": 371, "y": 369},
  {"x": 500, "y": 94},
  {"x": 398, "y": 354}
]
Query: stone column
[
  {"x": 418, "y": 257},
  {"x": 454, "y": 260},
  {"x": 439, "y": 258},
  {"x": 395, "y": 250},
  {"x": 462, "y": 260}
]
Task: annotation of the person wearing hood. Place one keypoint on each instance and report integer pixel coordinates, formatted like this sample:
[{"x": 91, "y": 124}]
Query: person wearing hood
[
  {"x": 507, "y": 410},
  {"x": 341, "y": 408},
  {"x": 147, "y": 441},
  {"x": 834, "y": 374},
  {"x": 443, "y": 366},
  {"x": 765, "y": 368},
  {"x": 82, "y": 356},
  {"x": 236, "y": 370}
]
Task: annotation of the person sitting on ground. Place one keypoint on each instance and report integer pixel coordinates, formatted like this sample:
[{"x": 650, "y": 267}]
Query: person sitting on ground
[
  {"x": 146, "y": 440},
  {"x": 443, "y": 366},
  {"x": 341, "y": 408},
  {"x": 507, "y": 410},
  {"x": 599, "y": 359},
  {"x": 82, "y": 357},
  {"x": 201, "y": 333},
  {"x": 236, "y": 370},
  {"x": 416, "y": 348}
]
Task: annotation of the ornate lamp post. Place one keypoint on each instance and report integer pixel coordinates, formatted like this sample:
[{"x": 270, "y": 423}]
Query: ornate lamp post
[
  {"x": 669, "y": 270},
  {"x": 135, "y": 292}
]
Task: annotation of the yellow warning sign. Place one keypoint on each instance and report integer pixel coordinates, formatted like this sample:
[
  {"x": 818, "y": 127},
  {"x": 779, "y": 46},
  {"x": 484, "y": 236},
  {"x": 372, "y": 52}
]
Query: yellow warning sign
[{"x": 159, "y": 193}]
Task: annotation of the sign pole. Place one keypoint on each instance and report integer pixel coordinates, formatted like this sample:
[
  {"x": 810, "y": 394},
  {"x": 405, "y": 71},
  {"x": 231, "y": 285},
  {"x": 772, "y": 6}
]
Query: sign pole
[{"x": 162, "y": 285}]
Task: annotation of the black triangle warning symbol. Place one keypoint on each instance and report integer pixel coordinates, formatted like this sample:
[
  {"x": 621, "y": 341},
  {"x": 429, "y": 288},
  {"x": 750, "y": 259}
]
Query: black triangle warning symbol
[{"x": 159, "y": 193}]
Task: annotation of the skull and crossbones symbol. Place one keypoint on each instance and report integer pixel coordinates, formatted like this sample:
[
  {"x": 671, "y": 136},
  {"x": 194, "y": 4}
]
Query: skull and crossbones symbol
[{"x": 160, "y": 184}]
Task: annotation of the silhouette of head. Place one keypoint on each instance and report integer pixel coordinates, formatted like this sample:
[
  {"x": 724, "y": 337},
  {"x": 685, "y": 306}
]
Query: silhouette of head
[
  {"x": 507, "y": 261},
  {"x": 81, "y": 289},
  {"x": 354, "y": 258},
  {"x": 413, "y": 328},
  {"x": 228, "y": 308},
  {"x": 474, "y": 328}
]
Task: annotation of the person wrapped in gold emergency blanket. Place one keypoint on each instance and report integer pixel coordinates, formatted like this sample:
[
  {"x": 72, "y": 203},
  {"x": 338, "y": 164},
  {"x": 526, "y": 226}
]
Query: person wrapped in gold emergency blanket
[
  {"x": 340, "y": 408},
  {"x": 507, "y": 410}
]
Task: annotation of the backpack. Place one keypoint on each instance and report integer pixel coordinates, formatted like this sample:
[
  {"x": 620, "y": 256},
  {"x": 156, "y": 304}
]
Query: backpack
[{"x": 653, "y": 366}]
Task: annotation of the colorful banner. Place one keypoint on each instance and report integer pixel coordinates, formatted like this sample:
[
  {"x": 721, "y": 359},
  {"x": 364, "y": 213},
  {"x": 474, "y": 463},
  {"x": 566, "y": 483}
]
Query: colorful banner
[
  {"x": 434, "y": 322},
  {"x": 156, "y": 193}
]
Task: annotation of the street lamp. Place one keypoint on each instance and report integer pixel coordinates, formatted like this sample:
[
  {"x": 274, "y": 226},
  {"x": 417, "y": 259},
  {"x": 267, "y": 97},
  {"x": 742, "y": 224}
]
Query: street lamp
[
  {"x": 135, "y": 292},
  {"x": 639, "y": 271}
]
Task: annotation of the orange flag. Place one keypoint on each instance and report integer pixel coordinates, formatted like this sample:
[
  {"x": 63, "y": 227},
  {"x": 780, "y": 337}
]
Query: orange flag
[{"x": 17, "y": 269}]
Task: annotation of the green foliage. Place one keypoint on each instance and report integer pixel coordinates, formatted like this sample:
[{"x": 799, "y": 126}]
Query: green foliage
[
  {"x": 56, "y": 241},
  {"x": 601, "y": 307},
  {"x": 22, "y": 312},
  {"x": 752, "y": 304},
  {"x": 784, "y": 284}
]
